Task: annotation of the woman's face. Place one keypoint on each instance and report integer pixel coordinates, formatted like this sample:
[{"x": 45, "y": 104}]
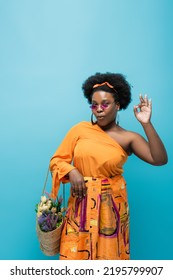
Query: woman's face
[{"x": 104, "y": 107}]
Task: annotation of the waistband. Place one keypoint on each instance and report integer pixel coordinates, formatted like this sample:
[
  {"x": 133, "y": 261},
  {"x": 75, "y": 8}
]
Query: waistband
[
  {"x": 104, "y": 180},
  {"x": 116, "y": 185}
]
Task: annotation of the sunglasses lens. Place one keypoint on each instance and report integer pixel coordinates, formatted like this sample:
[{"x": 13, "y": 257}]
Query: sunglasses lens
[
  {"x": 93, "y": 107},
  {"x": 104, "y": 106}
]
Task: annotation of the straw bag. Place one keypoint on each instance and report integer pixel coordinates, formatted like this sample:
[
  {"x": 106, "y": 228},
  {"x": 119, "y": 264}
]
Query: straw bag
[{"x": 50, "y": 240}]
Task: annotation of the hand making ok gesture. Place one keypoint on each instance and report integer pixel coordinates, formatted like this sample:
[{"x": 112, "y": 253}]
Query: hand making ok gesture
[{"x": 143, "y": 110}]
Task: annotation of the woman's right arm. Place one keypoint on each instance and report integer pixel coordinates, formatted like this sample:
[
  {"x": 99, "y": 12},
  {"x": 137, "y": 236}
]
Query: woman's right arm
[
  {"x": 61, "y": 162},
  {"x": 62, "y": 168}
]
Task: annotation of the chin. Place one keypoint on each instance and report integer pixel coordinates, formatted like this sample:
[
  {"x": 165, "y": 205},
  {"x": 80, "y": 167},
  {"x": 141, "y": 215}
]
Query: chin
[{"x": 102, "y": 123}]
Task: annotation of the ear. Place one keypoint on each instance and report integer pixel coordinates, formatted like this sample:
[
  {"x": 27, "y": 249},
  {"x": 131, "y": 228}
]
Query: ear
[{"x": 118, "y": 106}]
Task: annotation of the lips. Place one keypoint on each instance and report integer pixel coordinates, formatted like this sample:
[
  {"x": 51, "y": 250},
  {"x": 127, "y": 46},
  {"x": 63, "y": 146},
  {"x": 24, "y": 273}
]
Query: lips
[{"x": 100, "y": 117}]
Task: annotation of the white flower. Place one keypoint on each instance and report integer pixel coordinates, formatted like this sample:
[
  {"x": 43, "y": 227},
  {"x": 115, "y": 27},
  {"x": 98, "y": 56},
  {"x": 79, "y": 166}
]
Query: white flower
[
  {"x": 43, "y": 199},
  {"x": 49, "y": 203},
  {"x": 53, "y": 209},
  {"x": 39, "y": 214},
  {"x": 45, "y": 208},
  {"x": 39, "y": 208}
]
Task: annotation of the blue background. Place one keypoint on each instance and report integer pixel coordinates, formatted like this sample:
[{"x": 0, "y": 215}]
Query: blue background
[{"x": 47, "y": 50}]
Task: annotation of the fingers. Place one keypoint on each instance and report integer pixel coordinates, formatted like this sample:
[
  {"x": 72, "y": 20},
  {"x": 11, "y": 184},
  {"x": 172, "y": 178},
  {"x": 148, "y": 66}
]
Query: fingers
[
  {"x": 150, "y": 103},
  {"x": 79, "y": 189},
  {"x": 144, "y": 100},
  {"x": 144, "y": 103},
  {"x": 135, "y": 108}
]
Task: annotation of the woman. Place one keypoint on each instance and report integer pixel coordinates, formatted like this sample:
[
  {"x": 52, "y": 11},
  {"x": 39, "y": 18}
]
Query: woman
[{"x": 91, "y": 158}]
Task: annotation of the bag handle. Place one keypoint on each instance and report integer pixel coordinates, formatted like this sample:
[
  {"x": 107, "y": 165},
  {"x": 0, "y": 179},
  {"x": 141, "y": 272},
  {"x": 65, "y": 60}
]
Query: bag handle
[{"x": 45, "y": 183}]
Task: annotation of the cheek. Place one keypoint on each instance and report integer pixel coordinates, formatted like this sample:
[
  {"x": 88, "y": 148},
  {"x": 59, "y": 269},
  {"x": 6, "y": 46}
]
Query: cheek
[{"x": 111, "y": 114}]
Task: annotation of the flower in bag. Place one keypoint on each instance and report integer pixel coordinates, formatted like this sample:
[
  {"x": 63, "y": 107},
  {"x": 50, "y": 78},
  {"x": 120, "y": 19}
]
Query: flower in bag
[
  {"x": 43, "y": 199},
  {"x": 49, "y": 213}
]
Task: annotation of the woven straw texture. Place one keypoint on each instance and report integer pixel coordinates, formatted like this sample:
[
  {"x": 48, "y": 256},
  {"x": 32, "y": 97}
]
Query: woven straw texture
[{"x": 49, "y": 241}]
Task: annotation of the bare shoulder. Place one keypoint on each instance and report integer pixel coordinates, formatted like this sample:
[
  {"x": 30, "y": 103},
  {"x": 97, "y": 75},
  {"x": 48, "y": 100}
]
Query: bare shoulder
[
  {"x": 130, "y": 135},
  {"x": 125, "y": 138},
  {"x": 129, "y": 140}
]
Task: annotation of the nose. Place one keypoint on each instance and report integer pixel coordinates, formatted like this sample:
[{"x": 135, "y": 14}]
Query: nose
[{"x": 99, "y": 108}]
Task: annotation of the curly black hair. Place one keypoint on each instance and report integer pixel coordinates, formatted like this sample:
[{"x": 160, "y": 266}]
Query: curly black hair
[{"x": 121, "y": 90}]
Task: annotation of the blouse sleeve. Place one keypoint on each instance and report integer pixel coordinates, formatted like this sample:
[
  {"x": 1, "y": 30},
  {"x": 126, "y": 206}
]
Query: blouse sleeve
[{"x": 61, "y": 162}]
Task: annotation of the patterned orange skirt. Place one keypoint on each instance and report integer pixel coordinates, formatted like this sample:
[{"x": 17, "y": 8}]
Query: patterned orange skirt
[{"x": 97, "y": 227}]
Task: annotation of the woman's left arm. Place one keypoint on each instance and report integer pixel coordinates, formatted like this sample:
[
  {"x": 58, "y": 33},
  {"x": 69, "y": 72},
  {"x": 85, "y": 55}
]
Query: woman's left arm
[{"x": 152, "y": 151}]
